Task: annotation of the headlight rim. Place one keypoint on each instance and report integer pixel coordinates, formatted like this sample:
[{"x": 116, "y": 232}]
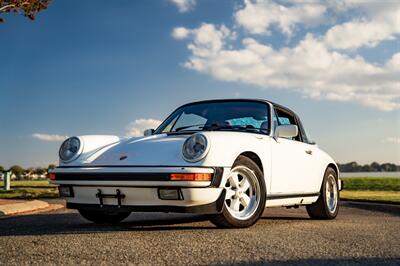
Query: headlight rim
[
  {"x": 203, "y": 155},
  {"x": 76, "y": 155}
]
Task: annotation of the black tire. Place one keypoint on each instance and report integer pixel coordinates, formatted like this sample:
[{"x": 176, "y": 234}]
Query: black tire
[
  {"x": 104, "y": 217},
  {"x": 320, "y": 209},
  {"x": 225, "y": 219}
]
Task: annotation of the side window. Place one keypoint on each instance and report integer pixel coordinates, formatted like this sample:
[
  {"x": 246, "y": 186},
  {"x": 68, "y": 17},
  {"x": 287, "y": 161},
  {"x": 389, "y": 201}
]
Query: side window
[{"x": 285, "y": 118}]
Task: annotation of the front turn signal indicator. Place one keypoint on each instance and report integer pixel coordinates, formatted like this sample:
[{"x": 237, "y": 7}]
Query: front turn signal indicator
[{"x": 190, "y": 177}]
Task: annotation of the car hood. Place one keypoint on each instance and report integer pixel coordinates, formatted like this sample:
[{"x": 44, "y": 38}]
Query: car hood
[
  {"x": 156, "y": 150},
  {"x": 166, "y": 150}
]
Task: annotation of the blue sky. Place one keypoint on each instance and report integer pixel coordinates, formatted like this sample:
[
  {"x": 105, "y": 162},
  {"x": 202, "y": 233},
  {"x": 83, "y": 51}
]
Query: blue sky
[{"x": 89, "y": 67}]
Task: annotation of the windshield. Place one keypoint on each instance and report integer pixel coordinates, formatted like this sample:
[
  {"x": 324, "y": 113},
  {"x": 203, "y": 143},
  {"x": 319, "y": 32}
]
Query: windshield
[{"x": 248, "y": 116}]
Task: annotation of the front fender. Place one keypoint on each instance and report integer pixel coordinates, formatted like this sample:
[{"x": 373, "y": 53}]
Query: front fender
[{"x": 227, "y": 146}]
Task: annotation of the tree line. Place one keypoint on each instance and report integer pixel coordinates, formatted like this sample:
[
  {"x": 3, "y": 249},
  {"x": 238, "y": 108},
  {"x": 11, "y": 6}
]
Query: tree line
[
  {"x": 21, "y": 172},
  {"x": 373, "y": 167}
]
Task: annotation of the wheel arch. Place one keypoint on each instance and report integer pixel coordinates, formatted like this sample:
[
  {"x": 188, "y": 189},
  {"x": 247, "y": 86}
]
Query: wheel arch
[
  {"x": 254, "y": 157},
  {"x": 334, "y": 167}
]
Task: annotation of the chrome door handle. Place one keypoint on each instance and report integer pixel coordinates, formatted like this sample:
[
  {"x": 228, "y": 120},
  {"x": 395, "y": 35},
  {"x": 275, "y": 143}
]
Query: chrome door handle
[{"x": 309, "y": 152}]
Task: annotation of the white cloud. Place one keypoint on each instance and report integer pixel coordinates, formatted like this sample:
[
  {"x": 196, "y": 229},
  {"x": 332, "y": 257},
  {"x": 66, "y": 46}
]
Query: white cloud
[
  {"x": 392, "y": 140},
  {"x": 319, "y": 65},
  {"x": 137, "y": 127},
  {"x": 49, "y": 137},
  {"x": 258, "y": 16},
  {"x": 371, "y": 21},
  {"x": 180, "y": 33},
  {"x": 184, "y": 5},
  {"x": 309, "y": 68},
  {"x": 378, "y": 21}
]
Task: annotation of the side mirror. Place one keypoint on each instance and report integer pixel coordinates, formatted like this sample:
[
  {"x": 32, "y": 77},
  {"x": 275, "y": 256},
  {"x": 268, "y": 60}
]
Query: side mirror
[
  {"x": 286, "y": 131},
  {"x": 148, "y": 132}
]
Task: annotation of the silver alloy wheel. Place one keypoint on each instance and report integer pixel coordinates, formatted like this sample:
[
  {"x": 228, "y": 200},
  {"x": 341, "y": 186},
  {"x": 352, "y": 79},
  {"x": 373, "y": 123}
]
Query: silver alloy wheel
[
  {"x": 331, "y": 193},
  {"x": 242, "y": 192}
]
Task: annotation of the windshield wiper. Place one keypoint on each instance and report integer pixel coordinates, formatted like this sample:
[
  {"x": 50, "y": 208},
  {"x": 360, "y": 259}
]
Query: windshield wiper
[
  {"x": 202, "y": 126},
  {"x": 212, "y": 127},
  {"x": 186, "y": 127},
  {"x": 237, "y": 128}
]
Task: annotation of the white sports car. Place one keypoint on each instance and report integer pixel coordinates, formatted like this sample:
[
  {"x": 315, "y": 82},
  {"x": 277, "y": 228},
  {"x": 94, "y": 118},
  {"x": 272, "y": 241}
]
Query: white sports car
[{"x": 228, "y": 159}]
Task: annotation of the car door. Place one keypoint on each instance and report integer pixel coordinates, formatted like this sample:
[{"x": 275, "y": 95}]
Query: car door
[{"x": 292, "y": 160}]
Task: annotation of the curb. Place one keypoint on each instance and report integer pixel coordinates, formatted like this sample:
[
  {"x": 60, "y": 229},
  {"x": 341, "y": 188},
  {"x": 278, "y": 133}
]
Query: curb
[
  {"x": 371, "y": 201},
  {"x": 28, "y": 206},
  {"x": 381, "y": 207}
]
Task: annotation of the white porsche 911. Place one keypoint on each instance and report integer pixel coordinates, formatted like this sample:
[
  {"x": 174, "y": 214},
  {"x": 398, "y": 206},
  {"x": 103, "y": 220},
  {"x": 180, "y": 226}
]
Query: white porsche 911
[{"x": 228, "y": 159}]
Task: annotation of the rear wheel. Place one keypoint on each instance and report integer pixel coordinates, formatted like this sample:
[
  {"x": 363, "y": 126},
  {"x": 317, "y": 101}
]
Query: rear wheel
[
  {"x": 104, "y": 217},
  {"x": 245, "y": 196},
  {"x": 327, "y": 205}
]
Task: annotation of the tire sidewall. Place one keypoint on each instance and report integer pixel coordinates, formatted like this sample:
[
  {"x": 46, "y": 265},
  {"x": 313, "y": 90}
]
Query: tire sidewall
[
  {"x": 329, "y": 171},
  {"x": 246, "y": 162}
]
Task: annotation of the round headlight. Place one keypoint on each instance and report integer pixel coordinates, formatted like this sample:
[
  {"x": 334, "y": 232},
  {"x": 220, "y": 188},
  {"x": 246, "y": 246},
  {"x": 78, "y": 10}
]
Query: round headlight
[
  {"x": 195, "y": 148},
  {"x": 69, "y": 150}
]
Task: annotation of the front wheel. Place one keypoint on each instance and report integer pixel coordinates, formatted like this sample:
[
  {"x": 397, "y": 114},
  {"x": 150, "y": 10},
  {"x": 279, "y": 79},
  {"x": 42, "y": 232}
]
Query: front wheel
[
  {"x": 327, "y": 205},
  {"x": 104, "y": 217},
  {"x": 245, "y": 196}
]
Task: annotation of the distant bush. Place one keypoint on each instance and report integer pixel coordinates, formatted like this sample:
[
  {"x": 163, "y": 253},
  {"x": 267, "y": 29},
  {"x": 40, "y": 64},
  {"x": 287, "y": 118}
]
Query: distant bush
[{"x": 373, "y": 167}]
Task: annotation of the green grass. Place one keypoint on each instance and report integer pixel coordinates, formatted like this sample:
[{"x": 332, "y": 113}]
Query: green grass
[
  {"x": 29, "y": 193},
  {"x": 383, "y": 196},
  {"x": 371, "y": 183},
  {"x": 29, "y": 183},
  {"x": 385, "y": 189},
  {"x": 29, "y": 189}
]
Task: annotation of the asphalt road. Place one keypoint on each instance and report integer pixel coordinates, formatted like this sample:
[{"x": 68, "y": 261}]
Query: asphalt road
[{"x": 356, "y": 237}]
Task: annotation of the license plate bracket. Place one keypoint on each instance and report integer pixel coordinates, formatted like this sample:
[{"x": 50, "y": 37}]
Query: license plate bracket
[{"x": 101, "y": 196}]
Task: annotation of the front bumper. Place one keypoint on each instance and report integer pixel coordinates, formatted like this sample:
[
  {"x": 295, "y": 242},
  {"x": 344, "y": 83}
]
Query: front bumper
[
  {"x": 341, "y": 184},
  {"x": 208, "y": 208},
  {"x": 140, "y": 189}
]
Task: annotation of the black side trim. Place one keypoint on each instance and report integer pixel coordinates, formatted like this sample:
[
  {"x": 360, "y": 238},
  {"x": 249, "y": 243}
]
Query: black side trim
[
  {"x": 288, "y": 196},
  {"x": 211, "y": 208}
]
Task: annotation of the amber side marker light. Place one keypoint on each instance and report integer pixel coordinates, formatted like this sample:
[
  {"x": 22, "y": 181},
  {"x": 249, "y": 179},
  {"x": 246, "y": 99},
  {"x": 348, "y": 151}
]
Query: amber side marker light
[
  {"x": 52, "y": 176},
  {"x": 190, "y": 177}
]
